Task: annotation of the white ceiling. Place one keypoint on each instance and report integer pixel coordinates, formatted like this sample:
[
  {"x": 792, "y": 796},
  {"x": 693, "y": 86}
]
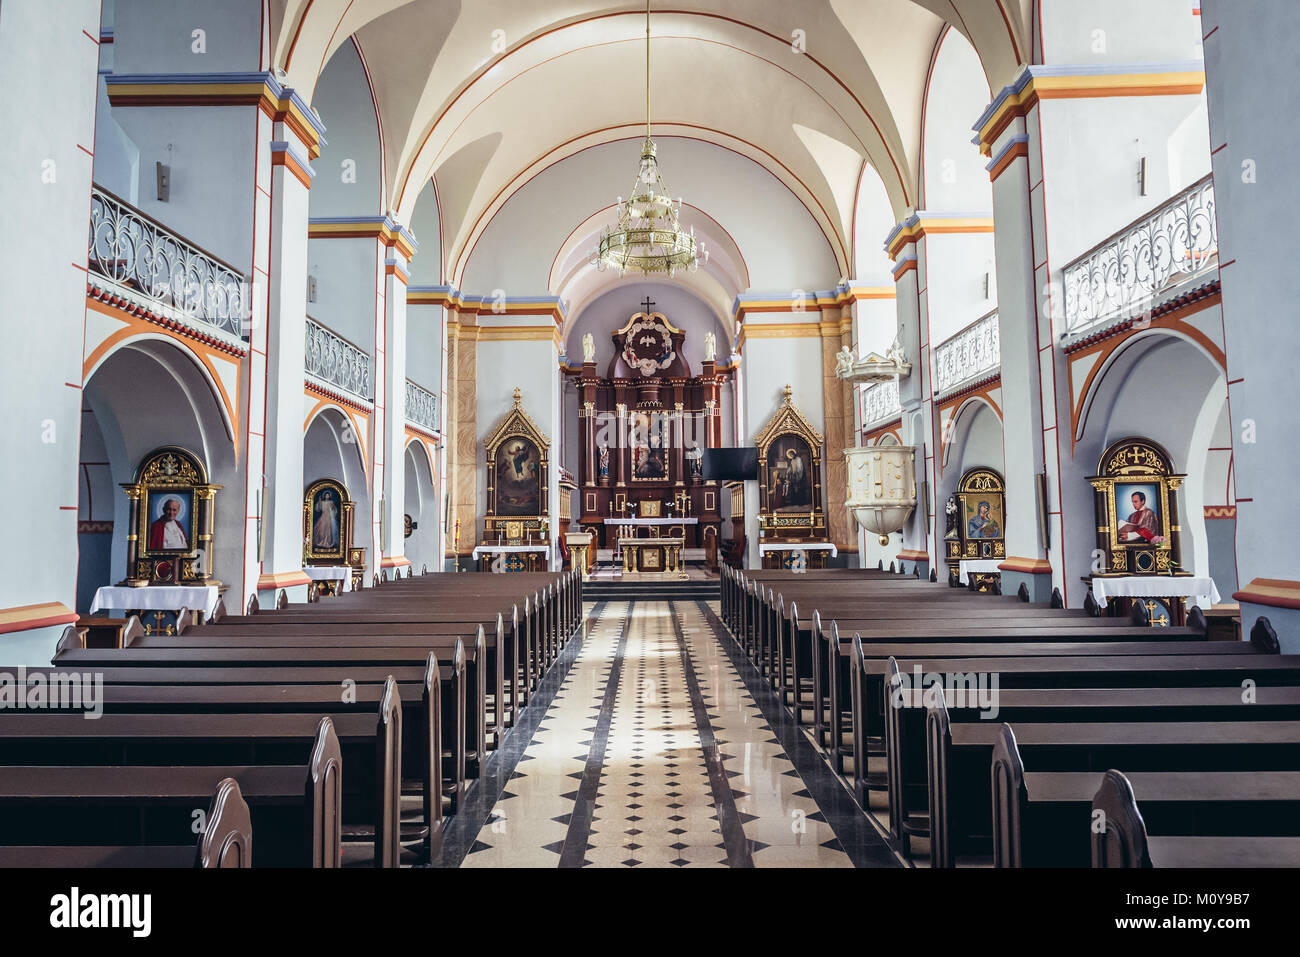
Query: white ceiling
[{"x": 486, "y": 94}]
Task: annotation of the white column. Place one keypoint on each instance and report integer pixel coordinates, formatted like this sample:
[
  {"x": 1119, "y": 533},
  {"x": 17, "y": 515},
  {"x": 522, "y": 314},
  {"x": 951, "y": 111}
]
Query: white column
[
  {"x": 286, "y": 285},
  {"x": 45, "y": 178},
  {"x": 393, "y": 424},
  {"x": 1248, "y": 60}
]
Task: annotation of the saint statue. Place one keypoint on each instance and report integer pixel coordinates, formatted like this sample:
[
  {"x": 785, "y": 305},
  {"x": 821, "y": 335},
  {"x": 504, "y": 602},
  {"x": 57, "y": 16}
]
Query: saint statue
[
  {"x": 604, "y": 462},
  {"x": 588, "y": 348},
  {"x": 710, "y": 347}
]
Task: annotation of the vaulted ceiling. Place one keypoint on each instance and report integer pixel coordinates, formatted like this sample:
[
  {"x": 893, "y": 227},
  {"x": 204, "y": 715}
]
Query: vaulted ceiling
[{"x": 485, "y": 94}]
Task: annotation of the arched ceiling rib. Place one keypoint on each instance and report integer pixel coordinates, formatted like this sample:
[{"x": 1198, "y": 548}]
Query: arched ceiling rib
[{"x": 807, "y": 88}]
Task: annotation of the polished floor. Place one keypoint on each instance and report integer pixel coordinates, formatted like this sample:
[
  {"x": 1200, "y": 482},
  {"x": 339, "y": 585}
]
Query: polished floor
[{"x": 653, "y": 744}]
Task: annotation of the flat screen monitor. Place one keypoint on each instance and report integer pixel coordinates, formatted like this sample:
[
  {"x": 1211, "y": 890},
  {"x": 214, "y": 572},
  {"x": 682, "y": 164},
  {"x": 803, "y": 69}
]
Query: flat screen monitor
[{"x": 730, "y": 465}]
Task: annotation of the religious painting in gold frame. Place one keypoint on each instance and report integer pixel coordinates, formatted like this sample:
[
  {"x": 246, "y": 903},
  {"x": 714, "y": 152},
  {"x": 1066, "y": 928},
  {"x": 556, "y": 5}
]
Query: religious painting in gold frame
[
  {"x": 1136, "y": 503},
  {"x": 171, "y": 519},
  {"x": 789, "y": 470},
  {"x": 327, "y": 513},
  {"x": 977, "y": 524},
  {"x": 651, "y": 436},
  {"x": 518, "y": 478}
]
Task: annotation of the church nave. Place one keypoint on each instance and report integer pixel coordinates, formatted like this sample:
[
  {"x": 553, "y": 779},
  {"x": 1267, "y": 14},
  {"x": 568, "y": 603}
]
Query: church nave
[{"x": 653, "y": 752}]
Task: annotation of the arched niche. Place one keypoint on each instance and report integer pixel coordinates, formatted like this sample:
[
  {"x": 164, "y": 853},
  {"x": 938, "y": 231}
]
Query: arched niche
[
  {"x": 331, "y": 450},
  {"x": 149, "y": 393},
  {"x": 1166, "y": 388},
  {"x": 422, "y": 506}
]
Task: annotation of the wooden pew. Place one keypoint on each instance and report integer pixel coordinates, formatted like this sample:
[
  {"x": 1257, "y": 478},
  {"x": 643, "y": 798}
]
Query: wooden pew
[
  {"x": 828, "y": 658},
  {"x": 1101, "y": 671},
  {"x": 487, "y": 683},
  {"x": 1043, "y": 819},
  {"x": 296, "y": 808},
  {"x": 226, "y": 842},
  {"x": 372, "y": 747},
  {"x": 1122, "y": 841},
  {"x": 432, "y": 697},
  {"x": 340, "y": 660},
  {"x": 960, "y": 761}
]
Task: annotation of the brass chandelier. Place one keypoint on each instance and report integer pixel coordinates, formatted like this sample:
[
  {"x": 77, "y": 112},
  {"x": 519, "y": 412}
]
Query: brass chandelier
[{"x": 648, "y": 237}]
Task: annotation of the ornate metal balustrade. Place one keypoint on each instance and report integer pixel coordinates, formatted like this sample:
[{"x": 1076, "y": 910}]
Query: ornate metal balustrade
[
  {"x": 971, "y": 354},
  {"x": 880, "y": 402},
  {"x": 1120, "y": 277},
  {"x": 149, "y": 261},
  {"x": 422, "y": 407},
  {"x": 336, "y": 362}
]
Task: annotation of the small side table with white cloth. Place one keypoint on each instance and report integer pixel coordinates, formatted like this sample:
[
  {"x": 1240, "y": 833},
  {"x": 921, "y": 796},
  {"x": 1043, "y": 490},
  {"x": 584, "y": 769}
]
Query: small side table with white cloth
[
  {"x": 543, "y": 549},
  {"x": 976, "y": 567},
  {"x": 160, "y": 598},
  {"x": 767, "y": 548},
  {"x": 1156, "y": 586},
  {"x": 331, "y": 573}
]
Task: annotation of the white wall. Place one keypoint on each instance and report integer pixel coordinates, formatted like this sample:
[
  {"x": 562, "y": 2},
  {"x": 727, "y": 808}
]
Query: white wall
[
  {"x": 348, "y": 175},
  {"x": 157, "y": 36},
  {"x": 953, "y": 174},
  {"x": 46, "y": 115}
]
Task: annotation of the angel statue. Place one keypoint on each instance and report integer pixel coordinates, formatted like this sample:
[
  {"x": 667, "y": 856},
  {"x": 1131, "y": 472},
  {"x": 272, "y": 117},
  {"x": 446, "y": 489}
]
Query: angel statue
[
  {"x": 710, "y": 347},
  {"x": 844, "y": 360},
  {"x": 588, "y": 348}
]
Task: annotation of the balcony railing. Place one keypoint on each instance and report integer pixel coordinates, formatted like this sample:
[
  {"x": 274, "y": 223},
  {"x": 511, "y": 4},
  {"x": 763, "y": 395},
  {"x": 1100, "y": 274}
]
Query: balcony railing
[
  {"x": 336, "y": 362},
  {"x": 880, "y": 402},
  {"x": 1121, "y": 277},
  {"x": 422, "y": 407},
  {"x": 970, "y": 355},
  {"x": 149, "y": 261}
]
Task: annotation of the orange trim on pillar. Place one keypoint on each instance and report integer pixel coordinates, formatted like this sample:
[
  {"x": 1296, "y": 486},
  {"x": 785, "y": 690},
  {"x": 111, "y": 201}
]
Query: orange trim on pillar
[
  {"x": 1017, "y": 151},
  {"x": 1274, "y": 592},
  {"x": 283, "y": 580},
  {"x": 913, "y": 555},
  {"x": 903, "y": 268},
  {"x": 43, "y": 615},
  {"x": 1030, "y": 566},
  {"x": 401, "y": 561},
  {"x": 288, "y": 162}
]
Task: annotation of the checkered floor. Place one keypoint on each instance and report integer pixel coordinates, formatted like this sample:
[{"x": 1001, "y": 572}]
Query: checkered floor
[{"x": 653, "y": 753}]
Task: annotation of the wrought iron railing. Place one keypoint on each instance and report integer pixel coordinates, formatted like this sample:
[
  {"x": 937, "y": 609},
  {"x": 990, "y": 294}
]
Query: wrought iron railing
[
  {"x": 147, "y": 259},
  {"x": 335, "y": 361},
  {"x": 1121, "y": 276},
  {"x": 880, "y": 402},
  {"x": 971, "y": 354},
  {"x": 422, "y": 407}
]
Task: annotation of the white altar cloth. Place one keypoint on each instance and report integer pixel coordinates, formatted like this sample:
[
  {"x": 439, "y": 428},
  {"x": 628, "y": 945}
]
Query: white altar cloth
[{"x": 156, "y": 598}]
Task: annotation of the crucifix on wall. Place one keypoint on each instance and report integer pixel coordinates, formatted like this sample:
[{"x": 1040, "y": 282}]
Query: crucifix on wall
[{"x": 648, "y": 303}]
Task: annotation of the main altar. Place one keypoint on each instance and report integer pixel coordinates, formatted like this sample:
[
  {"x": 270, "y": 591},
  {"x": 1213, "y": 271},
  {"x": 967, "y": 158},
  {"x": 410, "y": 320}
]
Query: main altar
[{"x": 645, "y": 420}]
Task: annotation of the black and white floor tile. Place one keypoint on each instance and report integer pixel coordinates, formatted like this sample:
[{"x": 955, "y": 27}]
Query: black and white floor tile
[{"x": 654, "y": 753}]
